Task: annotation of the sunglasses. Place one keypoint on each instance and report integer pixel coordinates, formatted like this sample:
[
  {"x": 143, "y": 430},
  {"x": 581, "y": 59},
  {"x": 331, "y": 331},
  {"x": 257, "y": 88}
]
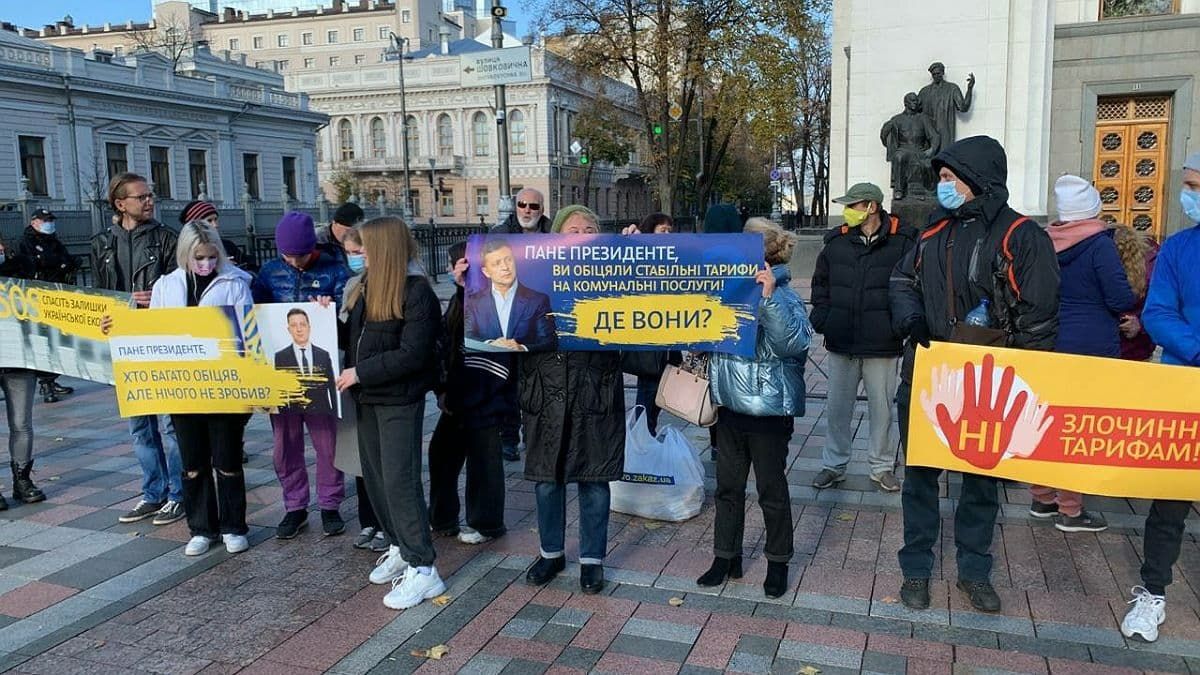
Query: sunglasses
[
  {"x": 141, "y": 198},
  {"x": 532, "y": 206}
]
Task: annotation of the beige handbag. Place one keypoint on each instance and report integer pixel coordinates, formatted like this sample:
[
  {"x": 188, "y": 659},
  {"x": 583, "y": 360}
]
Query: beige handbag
[{"x": 683, "y": 391}]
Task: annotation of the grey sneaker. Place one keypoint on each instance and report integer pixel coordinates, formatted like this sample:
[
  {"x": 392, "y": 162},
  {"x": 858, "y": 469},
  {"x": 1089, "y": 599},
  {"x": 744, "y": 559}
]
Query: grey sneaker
[
  {"x": 887, "y": 481},
  {"x": 1086, "y": 521},
  {"x": 142, "y": 511},
  {"x": 169, "y": 513},
  {"x": 827, "y": 479}
]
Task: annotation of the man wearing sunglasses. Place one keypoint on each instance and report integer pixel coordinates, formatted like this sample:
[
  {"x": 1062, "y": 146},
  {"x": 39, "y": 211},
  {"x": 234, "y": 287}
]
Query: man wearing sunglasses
[{"x": 529, "y": 216}]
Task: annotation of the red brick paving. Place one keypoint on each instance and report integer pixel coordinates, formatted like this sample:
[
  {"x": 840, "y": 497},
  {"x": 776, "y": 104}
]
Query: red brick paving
[{"x": 32, "y": 598}]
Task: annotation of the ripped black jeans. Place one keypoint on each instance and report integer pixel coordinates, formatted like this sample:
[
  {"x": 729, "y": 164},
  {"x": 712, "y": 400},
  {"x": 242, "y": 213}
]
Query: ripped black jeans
[{"x": 214, "y": 486}]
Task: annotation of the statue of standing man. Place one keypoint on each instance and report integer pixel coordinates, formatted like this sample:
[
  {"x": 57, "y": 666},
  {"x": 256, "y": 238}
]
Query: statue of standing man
[{"x": 942, "y": 101}]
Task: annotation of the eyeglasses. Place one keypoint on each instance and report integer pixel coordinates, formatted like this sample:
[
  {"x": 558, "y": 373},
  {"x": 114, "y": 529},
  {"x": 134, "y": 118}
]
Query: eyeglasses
[
  {"x": 532, "y": 206},
  {"x": 141, "y": 198}
]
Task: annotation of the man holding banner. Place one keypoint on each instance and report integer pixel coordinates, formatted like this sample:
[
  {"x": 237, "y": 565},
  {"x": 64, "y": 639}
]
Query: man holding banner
[
  {"x": 1172, "y": 318},
  {"x": 976, "y": 251}
]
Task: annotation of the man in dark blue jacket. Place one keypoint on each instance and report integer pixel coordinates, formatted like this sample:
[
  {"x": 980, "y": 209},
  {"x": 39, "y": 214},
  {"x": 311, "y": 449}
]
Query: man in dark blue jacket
[
  {"x": 1172, "y": 317},
  {"x": 851, "y": 309},
  {"x": 305, "y": 273}
]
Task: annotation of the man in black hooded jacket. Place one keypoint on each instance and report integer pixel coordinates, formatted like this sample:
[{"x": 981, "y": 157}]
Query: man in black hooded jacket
[{"x": 974, "y": 248}]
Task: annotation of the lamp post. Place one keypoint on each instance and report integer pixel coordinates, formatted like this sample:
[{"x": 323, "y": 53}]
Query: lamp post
[
  {"x": 432, "y": 192},
  {"x": 506, "y": 200},
  {"x": 399, "y": 44},
  {"x": 557, "y": 152}
]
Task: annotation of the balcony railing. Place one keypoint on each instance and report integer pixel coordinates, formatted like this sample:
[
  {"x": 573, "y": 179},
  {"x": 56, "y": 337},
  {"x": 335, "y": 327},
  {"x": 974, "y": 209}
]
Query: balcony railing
[{"x": 455, "y": 164}]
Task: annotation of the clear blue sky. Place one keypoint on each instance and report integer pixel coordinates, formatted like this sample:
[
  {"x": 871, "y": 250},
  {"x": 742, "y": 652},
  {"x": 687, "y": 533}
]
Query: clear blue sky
[{"x": 37, "y": 13}]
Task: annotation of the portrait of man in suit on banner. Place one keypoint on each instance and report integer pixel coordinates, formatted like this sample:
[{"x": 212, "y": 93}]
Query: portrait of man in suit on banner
[
  {"x": 310, "y": 360},
  {"x": 506, "y": 315}
]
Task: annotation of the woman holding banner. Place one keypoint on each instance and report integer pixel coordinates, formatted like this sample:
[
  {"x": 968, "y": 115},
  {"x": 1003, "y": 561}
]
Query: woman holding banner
[
  {"x": 573, "y": 405},
  {"x": 19, "y": 385},
  {"x": 759, "y": 399},
  {"x": 205, "y": 277},
  {"x": 391, "y": 346}
]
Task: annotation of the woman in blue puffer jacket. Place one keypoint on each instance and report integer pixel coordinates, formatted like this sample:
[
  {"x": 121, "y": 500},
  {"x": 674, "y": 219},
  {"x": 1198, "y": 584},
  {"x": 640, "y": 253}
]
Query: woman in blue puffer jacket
[{"x": 760, "y": 397}]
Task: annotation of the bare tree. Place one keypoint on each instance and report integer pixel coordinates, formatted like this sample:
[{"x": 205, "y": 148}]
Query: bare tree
[{"x": 173, "y": 37}]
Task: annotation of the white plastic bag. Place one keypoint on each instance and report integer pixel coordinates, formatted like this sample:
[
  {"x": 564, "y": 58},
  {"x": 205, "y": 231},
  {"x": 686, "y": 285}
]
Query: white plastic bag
[{"x": 664, "y": 480}]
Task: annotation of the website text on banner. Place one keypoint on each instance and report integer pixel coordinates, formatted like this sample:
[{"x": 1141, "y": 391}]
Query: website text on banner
[
  {"x": 225, "y": 359},
  {"x": 1092, "y": 425},
  {"x": 606, "y": 292},
  {"x": 55, "y": 328}
]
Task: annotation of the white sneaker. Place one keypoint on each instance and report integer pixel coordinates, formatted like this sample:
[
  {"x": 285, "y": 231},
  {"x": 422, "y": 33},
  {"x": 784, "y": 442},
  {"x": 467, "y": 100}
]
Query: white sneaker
[
  {"x": 468, "y": 535},
  {"x": 1147, "y": 614},
  {"x": 235, "y": 543},
  {"x": 410, "y": 589},
  {"x": 197, "y": 545},
  {"x": 389, "y": 566}
]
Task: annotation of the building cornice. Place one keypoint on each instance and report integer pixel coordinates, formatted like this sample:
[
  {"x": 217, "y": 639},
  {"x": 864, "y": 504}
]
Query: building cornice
[{"x": 1139, "y": 24}]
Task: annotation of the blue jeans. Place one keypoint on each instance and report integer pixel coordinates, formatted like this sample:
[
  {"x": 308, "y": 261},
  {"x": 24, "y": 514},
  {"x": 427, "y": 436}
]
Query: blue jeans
[
  {"x": 157, "y": 451},
  {"x": 593, "y": 520},
  {"x": 18, "y": 386}
]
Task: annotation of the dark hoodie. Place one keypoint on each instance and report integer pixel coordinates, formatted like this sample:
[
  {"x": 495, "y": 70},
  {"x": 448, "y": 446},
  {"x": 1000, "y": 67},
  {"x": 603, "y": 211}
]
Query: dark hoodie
[{"x": 1024, "y": 303}]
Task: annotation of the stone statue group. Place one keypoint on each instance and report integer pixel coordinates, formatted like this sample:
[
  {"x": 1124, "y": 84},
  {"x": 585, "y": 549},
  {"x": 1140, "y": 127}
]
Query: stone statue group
[{"x": 926, "y": 126}]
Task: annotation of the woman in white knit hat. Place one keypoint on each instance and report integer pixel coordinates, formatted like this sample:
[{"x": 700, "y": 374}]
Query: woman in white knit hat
[{"x": 1094, "y": 293}]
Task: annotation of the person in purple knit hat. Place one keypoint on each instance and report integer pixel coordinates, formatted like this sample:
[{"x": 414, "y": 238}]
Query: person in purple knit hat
[{"x": 305, "y": 273}]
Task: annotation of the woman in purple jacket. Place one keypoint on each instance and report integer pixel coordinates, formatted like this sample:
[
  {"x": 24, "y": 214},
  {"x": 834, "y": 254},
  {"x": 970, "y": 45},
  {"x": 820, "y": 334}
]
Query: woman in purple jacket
[{"x": 1094, "y": 293}]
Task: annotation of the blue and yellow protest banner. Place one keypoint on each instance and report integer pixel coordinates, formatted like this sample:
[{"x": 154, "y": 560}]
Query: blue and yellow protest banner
[
  {"x": 1086, "y": 424},
  {"x": 588, "y": 292},
  {"x": 225, "y": 359},
  {"x": 55, "y": 328}
]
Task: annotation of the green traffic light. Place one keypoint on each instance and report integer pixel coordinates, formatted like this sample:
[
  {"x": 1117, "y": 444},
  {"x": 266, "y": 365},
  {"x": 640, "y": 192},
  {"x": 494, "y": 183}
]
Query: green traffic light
[
  {"x": 583, "y": 159},
  {"x": 658, "y": 129}
]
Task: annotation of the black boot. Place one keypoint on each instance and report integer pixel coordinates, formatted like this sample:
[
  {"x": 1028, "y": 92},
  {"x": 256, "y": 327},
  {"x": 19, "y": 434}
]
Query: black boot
[
  {"x": 3, "y": 503},
  {"x": 60, "y": 389},
  {"x": 722, "y": 569},
  {"x": 776, "y": 583},
  {"x": 47, "y": 392},
  {"x": 23, "y": 488}
]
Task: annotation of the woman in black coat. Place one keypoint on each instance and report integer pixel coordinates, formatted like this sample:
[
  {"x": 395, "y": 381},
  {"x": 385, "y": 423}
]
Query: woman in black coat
[{"x": 573, "y": 404}]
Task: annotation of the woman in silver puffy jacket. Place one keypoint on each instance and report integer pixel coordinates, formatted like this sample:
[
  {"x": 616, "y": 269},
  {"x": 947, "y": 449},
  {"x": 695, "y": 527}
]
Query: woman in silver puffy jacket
[{"x": 759, "y": 399}]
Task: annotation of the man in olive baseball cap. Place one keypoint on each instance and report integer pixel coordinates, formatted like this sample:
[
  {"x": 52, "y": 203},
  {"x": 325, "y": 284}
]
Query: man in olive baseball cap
[{"x": 861, "y": 192}]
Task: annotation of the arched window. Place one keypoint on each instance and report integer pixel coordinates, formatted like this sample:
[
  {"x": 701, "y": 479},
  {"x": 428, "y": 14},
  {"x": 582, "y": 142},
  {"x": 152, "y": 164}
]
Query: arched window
[
  {"x": 411, "y": 135},
  {"x": 378, "y": 139},
  {"x": 516, "y": 131},
  {"x": 479, "y": 134},
  {"x": 346, "y": 139},
  {"x": 445, "y": 136}
]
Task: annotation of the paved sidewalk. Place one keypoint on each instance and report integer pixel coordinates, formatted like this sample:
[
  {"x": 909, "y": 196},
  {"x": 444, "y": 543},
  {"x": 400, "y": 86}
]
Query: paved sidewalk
[{"x": 80, "y": 593}]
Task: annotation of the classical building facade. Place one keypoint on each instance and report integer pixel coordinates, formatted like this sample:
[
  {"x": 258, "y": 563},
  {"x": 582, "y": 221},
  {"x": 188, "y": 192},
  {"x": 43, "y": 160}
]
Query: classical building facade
[
  {"x": 335, "y": 54},
  {"x": 1102, "y": 89},
  {"x": 204, "y": 125}
]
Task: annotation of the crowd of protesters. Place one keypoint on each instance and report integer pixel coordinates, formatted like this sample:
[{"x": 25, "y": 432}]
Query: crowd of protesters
[{"x": 882, "y": 288}]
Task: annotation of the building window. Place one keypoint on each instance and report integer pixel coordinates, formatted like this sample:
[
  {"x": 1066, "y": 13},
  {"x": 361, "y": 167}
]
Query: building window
[
  {"x": 359, "y": 34},
  {"x": 310, "y": 63},
  {"x": 335, "y": 61},
  {"x": 384, "y": 33},
  {"x": 117, "y": 158},
  {"x": 289, "y": 176},
  {"x": 445, "y": 136},
  {"x": 331, "y": 37},
  {"x": 306, "y": 39},
  {"x": 410, "y": 137},
  {"x": 414, "y": 198},
  {"x": 359, "y": 59},
  {"x": 33, "y": 164},
  {"x": 282, "y": 65},
  {"x": 160, "y": 170},
  {"x": 479, "y": 134},
  {"x": 406, "y": 16},
  {"x": 282, "y": 40},
  {"x": 346, "y": 139},
  {"x": 447, "y": 197},
  {"x": 516, "y": 132},
  {"x": 378, "y": 139},
  {"x": 250, "y": 175},
  {"x": 234, "y": 44},
  {"x": 197, "y": 172},
  {"x": 1118, "y": 9},
  {"x": 257, "y": 42},
  {"x": 481, "y": 201}
]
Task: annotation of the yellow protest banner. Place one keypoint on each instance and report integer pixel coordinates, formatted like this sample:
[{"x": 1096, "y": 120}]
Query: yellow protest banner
[
  {"x": 1091, "y": 425},
  {"x": 217, "y": 360},
  {"x": 56, "y": 328}
]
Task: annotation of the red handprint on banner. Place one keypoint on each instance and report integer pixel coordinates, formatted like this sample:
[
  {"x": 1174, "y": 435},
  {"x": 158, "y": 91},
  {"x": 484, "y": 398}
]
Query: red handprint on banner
[{"x": 979, "y": 425}]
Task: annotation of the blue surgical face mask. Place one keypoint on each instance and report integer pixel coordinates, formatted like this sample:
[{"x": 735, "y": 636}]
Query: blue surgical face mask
[
  {"x": 356, "y": 261},
  {"x": 3, "y": 257},
  {"x": 1190, "y": 199},
  {"x": 949, "y": 196},
  {"x": 47, "y": 227}
]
